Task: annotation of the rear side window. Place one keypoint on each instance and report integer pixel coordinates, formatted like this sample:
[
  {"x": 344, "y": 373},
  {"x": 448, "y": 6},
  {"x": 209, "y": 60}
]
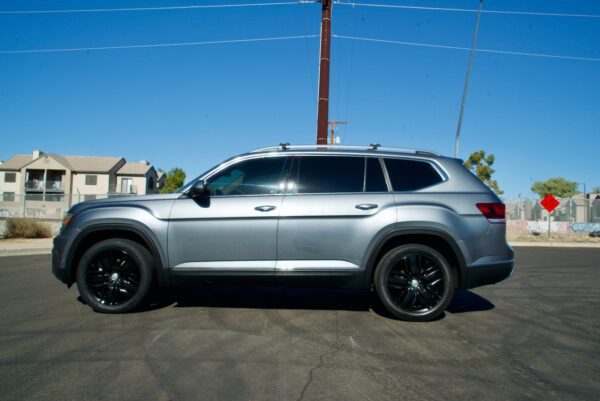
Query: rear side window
[
  {"x": 326, "y": 174},
  {"x": 375, "y": 180},
  {"x": 411, "y": 175}
]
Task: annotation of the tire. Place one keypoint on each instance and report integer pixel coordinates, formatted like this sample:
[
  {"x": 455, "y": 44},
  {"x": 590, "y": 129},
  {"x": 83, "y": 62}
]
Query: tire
[
  {"x": 414, "y": 282},
  {"x": 115, "y": 276}
]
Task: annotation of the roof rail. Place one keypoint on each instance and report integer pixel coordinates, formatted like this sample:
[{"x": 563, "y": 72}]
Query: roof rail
[{"x": 372, "y": 147}]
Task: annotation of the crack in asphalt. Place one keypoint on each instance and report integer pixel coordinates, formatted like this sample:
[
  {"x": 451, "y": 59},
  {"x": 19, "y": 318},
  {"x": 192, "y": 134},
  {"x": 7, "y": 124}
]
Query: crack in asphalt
[{"x": 321, "y": 363}]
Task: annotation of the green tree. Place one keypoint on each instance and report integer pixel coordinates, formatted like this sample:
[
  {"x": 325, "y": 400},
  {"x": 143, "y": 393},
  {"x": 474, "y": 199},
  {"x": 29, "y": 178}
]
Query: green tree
[
  {"x": 481, "y": 166},
  {"x": 596, "y": 190},
  {"x": 557, "y": 186},
  {"x": 174, "y": 179}
]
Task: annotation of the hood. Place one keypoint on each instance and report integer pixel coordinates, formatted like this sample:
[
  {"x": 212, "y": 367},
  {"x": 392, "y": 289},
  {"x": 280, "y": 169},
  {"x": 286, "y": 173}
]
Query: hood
[{"x": 141, "y": 200}]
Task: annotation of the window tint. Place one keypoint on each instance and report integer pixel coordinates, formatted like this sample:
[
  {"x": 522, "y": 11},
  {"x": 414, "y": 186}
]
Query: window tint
[
  {"x": 410, "y": 175},
  {"x": 326, "y": 174},
  {"x": 375, "y": 179},
  {"x": 250, "y": 177}
]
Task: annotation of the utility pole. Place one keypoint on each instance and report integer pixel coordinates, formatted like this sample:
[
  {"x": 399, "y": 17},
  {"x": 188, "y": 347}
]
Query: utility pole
[
  {"x": 332, "y": 125},
  {"x": 323, "y": 106}
]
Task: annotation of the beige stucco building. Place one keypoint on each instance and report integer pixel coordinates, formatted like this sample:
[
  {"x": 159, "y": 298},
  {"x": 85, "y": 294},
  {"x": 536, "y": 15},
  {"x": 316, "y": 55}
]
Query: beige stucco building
[{"x": 47, "y": 184}]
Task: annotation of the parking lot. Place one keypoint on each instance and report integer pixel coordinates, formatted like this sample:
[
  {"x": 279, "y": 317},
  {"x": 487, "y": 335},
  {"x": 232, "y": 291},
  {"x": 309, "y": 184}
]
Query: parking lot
[{"x": 535, "y": 336}]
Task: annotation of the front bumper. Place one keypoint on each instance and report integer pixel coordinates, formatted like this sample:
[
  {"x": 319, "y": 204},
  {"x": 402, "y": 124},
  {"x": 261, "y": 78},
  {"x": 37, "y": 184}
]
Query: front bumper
[
  {"x": 59, "y": 255},
  {"x": 485, "y": 274}
]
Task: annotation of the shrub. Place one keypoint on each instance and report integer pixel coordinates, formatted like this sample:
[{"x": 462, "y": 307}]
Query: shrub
[{"x": 27, "y": 228}]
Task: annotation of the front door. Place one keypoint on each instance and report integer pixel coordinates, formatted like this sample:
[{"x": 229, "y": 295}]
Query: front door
[{"x": 236, "y": 230}]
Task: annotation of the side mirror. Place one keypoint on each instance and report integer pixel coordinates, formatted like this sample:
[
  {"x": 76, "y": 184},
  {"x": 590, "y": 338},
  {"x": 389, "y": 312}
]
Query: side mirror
[{"x": 199, "y": 190}]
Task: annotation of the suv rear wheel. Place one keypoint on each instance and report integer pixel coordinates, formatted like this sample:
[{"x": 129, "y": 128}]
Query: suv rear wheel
[
  {"x": 414, "y": 282},
  {"x": 115, "y": 275}
]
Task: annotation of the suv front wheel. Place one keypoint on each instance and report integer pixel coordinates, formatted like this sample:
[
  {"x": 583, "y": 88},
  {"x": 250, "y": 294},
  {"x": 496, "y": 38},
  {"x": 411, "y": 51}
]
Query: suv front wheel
[
  {"x": 115, "y": 275},
  {"x": 414, "y": 282}
]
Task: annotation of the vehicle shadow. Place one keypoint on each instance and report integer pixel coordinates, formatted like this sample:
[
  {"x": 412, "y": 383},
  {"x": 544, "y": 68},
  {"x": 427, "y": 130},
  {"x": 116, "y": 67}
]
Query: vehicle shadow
[
  {"x": 467, "y": 301},
  {"x": 298, "y": 298}
]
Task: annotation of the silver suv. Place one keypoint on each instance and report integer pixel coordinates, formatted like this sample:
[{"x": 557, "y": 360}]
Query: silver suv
[{"x": 410, "y": 224}]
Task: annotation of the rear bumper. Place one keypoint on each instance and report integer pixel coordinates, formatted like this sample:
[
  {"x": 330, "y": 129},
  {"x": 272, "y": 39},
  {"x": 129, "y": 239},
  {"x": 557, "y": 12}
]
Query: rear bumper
[{"x": 485, "y": 274}]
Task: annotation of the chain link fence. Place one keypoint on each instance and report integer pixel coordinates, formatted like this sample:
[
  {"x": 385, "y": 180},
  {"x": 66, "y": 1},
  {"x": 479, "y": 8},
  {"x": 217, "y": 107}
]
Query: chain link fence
[
  {"x": 576, "y": 216},
  {"x": 44, "y": 206}
]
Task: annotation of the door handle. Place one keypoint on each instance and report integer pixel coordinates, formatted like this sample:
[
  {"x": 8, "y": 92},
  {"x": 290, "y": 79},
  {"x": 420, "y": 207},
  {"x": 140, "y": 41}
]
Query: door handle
[
  {"x": 367, "y": 206},
  {"x": 265, "y": 208}
]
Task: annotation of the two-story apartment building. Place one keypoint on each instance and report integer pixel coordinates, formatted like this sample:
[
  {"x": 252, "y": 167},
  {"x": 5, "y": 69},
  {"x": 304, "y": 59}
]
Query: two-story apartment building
[{"x": 47, "y": 184}]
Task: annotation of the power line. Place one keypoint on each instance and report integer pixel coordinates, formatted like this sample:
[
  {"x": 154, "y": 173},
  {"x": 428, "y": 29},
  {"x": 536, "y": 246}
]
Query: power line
[
  {"x": 431, "y": 45},
  {"x": 166, "y": 8},
  {"x": 468, "y": 10},
  {"x": 181, "y": 44}
]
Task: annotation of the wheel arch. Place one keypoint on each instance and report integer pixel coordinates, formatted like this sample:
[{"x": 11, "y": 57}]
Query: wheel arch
[
  {"x": 438, "y": 239},
  {"x": 133, "y": 231}
]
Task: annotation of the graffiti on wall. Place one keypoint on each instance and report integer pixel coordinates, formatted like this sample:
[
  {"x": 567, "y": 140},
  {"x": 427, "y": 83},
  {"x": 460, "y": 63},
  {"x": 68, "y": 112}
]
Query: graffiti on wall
[
  {"x": 565, "y": 227},
  {"x": 585, "y": 227}
]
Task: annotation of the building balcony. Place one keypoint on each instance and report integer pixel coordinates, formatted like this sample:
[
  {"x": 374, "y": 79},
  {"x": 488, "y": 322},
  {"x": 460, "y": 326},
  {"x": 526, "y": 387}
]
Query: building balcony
[
  {"x": 34, "y": 186},
  {"x": 54, "y": 186}
]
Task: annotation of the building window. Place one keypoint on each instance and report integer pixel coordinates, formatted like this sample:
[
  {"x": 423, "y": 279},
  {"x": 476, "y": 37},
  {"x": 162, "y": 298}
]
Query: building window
[
  {"x": 55, "y": 198},
  {"x": 89, "y": 197},
  {"x": 10, "y": 177},
  {"x": 126, "y": 185},
  {"x": 8, "y": 196},
  {"x": 91, "y": 180}
]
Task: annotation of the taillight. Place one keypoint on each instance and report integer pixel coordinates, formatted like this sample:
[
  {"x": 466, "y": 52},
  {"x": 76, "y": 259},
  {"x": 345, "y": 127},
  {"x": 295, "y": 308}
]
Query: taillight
[{"x": 494, "y": 212}]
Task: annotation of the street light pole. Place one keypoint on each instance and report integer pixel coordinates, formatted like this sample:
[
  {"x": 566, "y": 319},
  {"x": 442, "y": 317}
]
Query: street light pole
[{"x": 466, "y": 87}]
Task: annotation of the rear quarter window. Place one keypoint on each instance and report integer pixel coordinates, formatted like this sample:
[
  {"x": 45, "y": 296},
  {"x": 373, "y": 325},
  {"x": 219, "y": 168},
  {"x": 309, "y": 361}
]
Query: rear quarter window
[{"x": 411, "y": 175}]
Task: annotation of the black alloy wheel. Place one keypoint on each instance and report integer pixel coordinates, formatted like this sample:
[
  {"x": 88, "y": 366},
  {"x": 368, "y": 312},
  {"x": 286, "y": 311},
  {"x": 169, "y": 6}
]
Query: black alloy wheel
[
  {"x": 414, "y": 282},
  {"x": 115, "y": 275}
]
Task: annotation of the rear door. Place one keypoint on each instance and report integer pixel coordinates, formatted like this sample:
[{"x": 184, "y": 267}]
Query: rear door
[{"x": 334, "y": 207}]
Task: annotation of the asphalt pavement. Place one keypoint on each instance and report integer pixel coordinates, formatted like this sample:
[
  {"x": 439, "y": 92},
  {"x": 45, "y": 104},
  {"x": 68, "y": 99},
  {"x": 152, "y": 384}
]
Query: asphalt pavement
[{"x": 535, "y": 336}]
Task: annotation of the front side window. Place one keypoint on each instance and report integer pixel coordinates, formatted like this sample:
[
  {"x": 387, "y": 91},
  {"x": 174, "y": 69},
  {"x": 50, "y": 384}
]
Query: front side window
[
  {"x": 249, "y": 177},
  {"x": 411, "y": 175},
  {"x": 10, "y": 177},
  {"x": 330, "y": 174}
]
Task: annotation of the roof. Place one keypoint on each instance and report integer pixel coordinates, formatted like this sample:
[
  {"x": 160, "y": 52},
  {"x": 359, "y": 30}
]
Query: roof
[
  {"x": 91, "y": 164},
  {"x": 134, "y": 169},
  {"x": 78, "y": 164},
  {"x": 15, "y": 163}
]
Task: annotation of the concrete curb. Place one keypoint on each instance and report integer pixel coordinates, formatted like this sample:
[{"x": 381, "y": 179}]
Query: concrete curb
[
  {"x": 22, "y": 252},
  {"x": 20, "y": 246},
  {"x": 556, "y": 244}
]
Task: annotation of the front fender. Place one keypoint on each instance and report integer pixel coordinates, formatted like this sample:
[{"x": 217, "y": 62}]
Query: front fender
[{"x": 138, "y": 221}]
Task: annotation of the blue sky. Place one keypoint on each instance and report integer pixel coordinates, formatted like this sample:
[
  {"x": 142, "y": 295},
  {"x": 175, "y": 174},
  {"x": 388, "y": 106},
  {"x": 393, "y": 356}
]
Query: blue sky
[{"x": 195, "y": 106}]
